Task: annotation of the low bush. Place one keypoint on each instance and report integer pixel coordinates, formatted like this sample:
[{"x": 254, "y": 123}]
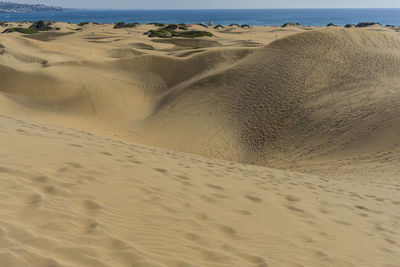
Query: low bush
[
  {"x": 291, "y": 24},
  {"x": 165, "y": 33},
  {"x": 41, "y": 25},
  {"x": 21, "y": 30},
  {"x": 366, "y": 24},
  {"x": 121, "y": 25}
]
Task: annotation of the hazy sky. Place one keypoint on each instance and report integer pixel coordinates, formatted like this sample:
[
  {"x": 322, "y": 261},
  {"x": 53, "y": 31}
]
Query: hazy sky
[{"x": 209, "y": 4}]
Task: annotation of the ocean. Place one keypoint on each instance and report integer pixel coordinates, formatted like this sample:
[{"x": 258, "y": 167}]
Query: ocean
[{"x": 309, "y": 17}]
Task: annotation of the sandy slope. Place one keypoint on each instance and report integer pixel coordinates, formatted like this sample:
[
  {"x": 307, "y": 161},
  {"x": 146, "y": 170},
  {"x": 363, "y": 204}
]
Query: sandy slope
[
  {"x": 69, "y": 198},
  {"x": 79, "y": 191}
]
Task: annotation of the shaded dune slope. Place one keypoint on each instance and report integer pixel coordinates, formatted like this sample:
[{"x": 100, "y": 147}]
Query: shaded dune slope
[
  {"x": 311, "y": 95},
  {"x": 315, "y": 95}
]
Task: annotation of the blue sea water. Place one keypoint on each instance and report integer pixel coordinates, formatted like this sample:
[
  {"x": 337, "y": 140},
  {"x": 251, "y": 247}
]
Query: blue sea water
[{"x": 311, "y": 17}]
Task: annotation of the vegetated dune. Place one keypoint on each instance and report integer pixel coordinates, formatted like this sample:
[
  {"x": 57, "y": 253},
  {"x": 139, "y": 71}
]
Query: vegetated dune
[{"x": 323, "y": 101}]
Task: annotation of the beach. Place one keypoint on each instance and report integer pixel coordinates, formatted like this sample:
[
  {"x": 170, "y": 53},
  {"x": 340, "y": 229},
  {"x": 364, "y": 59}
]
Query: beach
[{"x": 257, "y": 146}]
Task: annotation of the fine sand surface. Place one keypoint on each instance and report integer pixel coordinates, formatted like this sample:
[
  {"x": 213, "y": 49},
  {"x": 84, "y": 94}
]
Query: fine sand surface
[{"x": 265, "y": 146}]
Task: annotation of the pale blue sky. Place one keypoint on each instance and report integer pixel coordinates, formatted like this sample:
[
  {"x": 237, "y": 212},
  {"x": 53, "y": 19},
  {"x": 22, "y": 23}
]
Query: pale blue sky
[{"x": 210, "y": 4}]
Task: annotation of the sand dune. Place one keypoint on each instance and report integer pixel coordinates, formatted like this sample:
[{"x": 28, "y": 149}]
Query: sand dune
[
  {"x": 315, "y": 111},
  {"x": 305, "y": 96},
  {"x": 70, "y": 198}
]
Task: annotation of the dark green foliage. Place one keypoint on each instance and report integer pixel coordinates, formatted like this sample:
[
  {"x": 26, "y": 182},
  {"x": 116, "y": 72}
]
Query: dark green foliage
[
  {"x": 291, "y": 24},
  {"x": 331, "y": 25},
  {"x": 366, "y": 24},
  {"x": 121, "y": 25},
  {"x": 219, "y": 26},
  {"x": 41, "y": 25},
  {"x": 245, "y": 26},
  {"x": 183, "y": 27},
  {"x": 157, "y": 24},
  {"x": 176, "y": 30},
  {"x": 191, "y": 34},
  {"x": 171, "y": 27},
  {"x": 161, "y": 33},
  {"x": 202, "y": 25},
  {"x": 21, "y": 30},
  {"x": 164, "y": 33},
  {"x": 349, "y": 25},
  {"x": 83, "y": 23}
]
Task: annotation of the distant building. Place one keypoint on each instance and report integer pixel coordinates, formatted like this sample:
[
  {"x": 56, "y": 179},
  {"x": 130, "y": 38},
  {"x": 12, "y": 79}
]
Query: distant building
[{"x": 14, "y": 7}]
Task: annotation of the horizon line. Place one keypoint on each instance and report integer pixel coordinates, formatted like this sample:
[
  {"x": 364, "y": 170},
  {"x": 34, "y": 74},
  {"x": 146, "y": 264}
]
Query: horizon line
[{"x": 272, "y": 8}]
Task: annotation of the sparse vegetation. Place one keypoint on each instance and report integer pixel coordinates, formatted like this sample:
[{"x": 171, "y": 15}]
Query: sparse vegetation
[
  {"x": 292, "y": 24},
  {"x": 157, "y": 24},
  {"x": 245, "y": 26},
  {"x": 219, "y": 26},
  {"x": 366, "y": 24},
  {"x": 349, "y": 25},
  {"x": 41, "y": 25},
  {"x": 191, "y": 34},
  {"x": 202, "y": 25},
  {"x": 36, "y": 27},
  {"x": 83, "y": 23},
  {"x": 183, "y": 26},
  {"x": 176, "y": 30},
  {"x": 331, "y": 25},
  {"x": 121, "y": 25},
  {"x": 234, "y": 25},
  {"x": 161, "y": 33},
  {"x": 21, "y": 30},
  {"x": 164, "y": 33}
]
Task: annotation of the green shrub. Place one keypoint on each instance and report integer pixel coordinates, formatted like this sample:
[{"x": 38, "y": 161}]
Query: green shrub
[
  {"x": 161, "y": 33},
  {"x": 191, "y": 34},
  {"x": 21, "y": 30},
  {"x": 121, "y": 25},
  {"x": 366, "y": 24},
  {"x": 202, "y": 25},
  {"x": 41, "y": 25},
  {"x": 291, "y": 24},
  {"x": 183, "y": 26},
  {"x": 157, "y": 24}
]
